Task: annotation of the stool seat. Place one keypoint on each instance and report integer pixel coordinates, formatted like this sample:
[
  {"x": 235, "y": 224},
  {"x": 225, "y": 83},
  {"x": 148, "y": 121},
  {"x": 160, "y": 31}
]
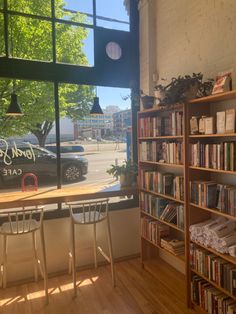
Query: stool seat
[
  {"x": 15, "y": 228},
  {"x": 85, "y": 218}
]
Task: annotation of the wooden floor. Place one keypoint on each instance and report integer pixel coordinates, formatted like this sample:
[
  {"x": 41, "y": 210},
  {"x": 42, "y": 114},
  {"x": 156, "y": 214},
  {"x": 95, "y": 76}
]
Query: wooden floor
[{"x": 137, "y": 292}]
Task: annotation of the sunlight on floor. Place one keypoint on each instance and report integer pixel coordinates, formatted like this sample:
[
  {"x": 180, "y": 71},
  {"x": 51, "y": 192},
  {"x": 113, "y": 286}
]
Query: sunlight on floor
[{"x": 52, "y": 291}]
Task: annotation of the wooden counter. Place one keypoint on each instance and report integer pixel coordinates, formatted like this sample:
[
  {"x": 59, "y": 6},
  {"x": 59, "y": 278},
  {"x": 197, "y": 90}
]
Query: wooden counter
[{"x": 65, "y": 194}]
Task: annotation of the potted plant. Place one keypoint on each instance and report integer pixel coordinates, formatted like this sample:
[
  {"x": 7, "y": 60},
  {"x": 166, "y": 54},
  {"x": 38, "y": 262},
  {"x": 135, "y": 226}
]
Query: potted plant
[
  {"x": 127, "y": 172},
  {"x": 183, "y": 87}
]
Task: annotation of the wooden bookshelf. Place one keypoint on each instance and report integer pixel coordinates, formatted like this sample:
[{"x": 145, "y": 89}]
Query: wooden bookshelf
[
  {"x": 207, "y": 106},
  {"x": 149, "y": 250},
  {"x": 193, "y": 212}
]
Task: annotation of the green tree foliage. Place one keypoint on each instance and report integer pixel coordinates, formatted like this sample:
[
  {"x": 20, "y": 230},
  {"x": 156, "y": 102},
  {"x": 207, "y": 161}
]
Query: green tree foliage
[{"x": 32, "y": 39}]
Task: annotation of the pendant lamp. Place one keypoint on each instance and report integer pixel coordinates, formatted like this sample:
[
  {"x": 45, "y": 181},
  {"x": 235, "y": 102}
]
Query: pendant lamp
[
  {"x": 14, "y": 108},
  {"x": 96, "y": 109}
]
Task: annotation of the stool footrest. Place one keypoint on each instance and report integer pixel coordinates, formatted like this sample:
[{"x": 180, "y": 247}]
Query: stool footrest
[{"x": 103, "y": 254}]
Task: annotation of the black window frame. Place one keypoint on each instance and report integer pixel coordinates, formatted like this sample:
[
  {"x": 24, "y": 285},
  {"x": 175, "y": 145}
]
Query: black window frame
[{"x": 15, "y": 68}]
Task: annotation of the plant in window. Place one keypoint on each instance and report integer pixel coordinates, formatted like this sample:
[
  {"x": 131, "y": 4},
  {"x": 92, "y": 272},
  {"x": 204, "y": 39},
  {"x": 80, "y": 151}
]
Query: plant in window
[{"x": 127, "y": 172}]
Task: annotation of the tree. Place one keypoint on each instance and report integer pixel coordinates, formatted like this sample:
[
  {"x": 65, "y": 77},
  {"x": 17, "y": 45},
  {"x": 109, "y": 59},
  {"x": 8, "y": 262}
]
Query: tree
[{"x": 32, "y": 39}]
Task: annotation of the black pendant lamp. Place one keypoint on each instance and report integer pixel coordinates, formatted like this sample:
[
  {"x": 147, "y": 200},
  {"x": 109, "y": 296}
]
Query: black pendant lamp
[
  {"x": 96, "y": 109},
  {"x": 14, "y": 108}
]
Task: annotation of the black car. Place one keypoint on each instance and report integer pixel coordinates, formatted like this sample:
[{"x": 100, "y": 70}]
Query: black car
[{"x": 16, "y": 160}]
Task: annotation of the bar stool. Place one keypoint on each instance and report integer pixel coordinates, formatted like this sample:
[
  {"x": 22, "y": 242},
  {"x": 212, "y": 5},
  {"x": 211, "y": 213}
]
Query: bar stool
[
  {"x": 18, "y": 223},
  {"x": 90, "y": 213}
]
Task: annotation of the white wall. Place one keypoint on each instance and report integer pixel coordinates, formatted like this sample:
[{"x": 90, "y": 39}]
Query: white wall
[
  {"x": 125, "y": 237},
  {"x": 194, "y": 36}
]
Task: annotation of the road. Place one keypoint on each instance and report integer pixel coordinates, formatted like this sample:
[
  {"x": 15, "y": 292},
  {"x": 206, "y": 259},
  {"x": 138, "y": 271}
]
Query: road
[{"x": 99, "y": 161}]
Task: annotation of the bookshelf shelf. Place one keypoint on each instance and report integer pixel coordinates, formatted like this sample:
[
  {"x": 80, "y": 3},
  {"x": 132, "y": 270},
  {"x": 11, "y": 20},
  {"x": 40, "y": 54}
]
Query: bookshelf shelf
[
  {"x": 214, "y": 211},
  {"x": 227, "y": 257},
  {"x": 161, "y": 109},
  {"x": 163, "y": 137},
  {"x": 163, "y": 195},
  {"x": 214, "y": 98},
  {"x": 179, "y": 257},
  {"x": 212, "y": 170},
  {"x": 161, "y": 164},
  {"x": 163, "y": 221},
  {"x": 214, "y": 284},
  {"x": 212, "y": 135}
]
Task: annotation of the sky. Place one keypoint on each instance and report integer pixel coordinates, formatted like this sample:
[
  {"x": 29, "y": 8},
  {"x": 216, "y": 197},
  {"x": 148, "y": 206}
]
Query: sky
[{"x": 112, "y": 9}]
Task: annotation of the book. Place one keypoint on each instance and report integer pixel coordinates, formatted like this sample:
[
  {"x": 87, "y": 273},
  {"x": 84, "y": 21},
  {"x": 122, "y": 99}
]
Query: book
[
  {"x": 230, "y": 121},
  {"x": 220, "y": 122},
  {"x": 209, "y": 125}
]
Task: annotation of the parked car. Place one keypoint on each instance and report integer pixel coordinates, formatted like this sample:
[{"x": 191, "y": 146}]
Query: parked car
[
  {"x": 66, "y": 149},
  {"x": 17, "y": 160}
]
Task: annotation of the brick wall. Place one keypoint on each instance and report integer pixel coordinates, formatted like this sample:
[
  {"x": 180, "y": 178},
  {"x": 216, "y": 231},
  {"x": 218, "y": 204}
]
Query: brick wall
[{"x": 190, "y": 36}]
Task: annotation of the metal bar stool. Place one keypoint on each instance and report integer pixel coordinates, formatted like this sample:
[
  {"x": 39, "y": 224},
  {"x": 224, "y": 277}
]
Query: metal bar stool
[
  {"x": 18, "y": 223},
  {"x": 90, "y": 213}
]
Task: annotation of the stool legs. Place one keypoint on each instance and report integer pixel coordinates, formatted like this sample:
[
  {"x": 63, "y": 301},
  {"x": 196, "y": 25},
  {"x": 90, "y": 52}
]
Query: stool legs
[
  {"x": 73, "y": 257},
  {"x": 4, "y": 266},
  {"x": 35, "y": 256},
  {"x": 110, "y": 252},
  {"x": 95, "y": 245},
  {"x": 44, "y": 262}
]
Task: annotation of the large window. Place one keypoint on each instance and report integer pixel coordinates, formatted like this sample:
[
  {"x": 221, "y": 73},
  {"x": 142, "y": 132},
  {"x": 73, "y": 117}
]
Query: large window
[{"x": 51, "y": 58}]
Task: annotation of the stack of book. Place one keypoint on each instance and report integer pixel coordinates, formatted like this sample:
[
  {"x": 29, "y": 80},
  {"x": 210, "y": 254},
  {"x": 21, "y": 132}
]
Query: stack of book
[
  {"x": 216, "y": 156},
  {"x": 174, "y": 246},
  {"x": 164, "y": 183},
  {"x": 214, "y": 268},
  {"x": 218, "y": 233},
  {"x": 214, "y": 195},
  {"x": 172, "y": 125},
  {"x": 211, "y": 299},
  {"x": 166, "y": 152},
  {"x": 153, "y": 230}
]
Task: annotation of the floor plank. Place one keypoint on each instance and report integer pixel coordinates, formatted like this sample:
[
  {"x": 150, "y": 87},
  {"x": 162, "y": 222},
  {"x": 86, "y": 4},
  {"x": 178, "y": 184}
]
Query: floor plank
[{"x": 137, "y": 292}]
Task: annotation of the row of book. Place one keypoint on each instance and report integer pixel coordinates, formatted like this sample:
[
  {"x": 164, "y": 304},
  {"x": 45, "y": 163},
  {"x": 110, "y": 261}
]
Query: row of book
[
  {"x": 216, "y": 156},
  {"x": 214, "y": 195},
  {"x": 164, "y": 183},
  {"x": 172, "y": 125},
  {"x": 153, "y": 230},
  {"x": 166, "y": 210},
  {"x": 214, "y": 268},
  {"x": 210, "y": 299},
  {"x": 166, "y": 152}
]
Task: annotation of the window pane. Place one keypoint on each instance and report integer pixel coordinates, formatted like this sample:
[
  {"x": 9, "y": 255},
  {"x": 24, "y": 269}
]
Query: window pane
[
  {"x": 74, "y": 45},
  {"x": 30, "y": 38},
  {"x": 75, "y": 10},
  {"x": 42, "y": 7},
  {"x": 112, "y": 14},
  {"x": 2, "y": 45},
  {"x": 26, "y": 136},
  {"x": 93, "y": 139}
]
